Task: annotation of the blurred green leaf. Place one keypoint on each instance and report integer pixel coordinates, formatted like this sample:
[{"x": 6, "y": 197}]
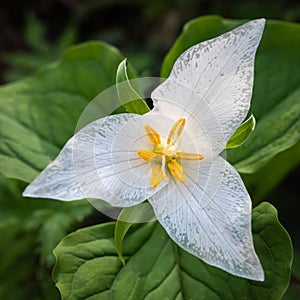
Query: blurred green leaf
[
  {"x": 20, "y": 276},
  {"x": 88, "y": 267},
  {"x": 48, "y": 221},
  {"x": 39, "y": 51},
  {"x": 128, "y": 90},
  {"x": 242, "y": 133},
  {"x": 35, "y": 33},
  {"x": 39, "y": 114},
  {"x": 17, "y": 266},
  {"x": 275, "y": 132},
  {"x": 293, "y": 292},
  {"x": 29, "y": 230},
  {"x": 276, "y": 95},
  {"x": 261, "y": 183}
]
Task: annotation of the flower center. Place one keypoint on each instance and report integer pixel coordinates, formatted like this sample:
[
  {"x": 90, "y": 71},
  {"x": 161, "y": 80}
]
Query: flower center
[{"x": 166, "y": 158}]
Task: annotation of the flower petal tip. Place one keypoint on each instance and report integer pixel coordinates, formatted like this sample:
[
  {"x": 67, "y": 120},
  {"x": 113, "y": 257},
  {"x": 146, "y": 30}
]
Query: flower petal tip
[
  {"x": 32, "y": 191},
  {"x": 259, "y": 23},
  {"x": 27, "y": 192},
  {"x": 256, "y": 272},
  {"x": 259, "y": 276}
]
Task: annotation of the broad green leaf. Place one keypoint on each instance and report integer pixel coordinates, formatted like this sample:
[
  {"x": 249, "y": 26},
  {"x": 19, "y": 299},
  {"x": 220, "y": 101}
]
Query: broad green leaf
[
  {"x": 242, "y": 133},
  {"x": 39, "y": 114},
  {"x": 261, "y": 183},
  {"x": 88, "y": 266},
  {"x": 276, "y": 94},
  {"x": 275, "y": 132},
  {"x": 128, "y": 90}
]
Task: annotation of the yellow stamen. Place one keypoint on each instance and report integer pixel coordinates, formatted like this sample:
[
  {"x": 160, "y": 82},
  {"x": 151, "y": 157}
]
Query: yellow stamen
[
  {"x": 163, "y": 166},
  {"x": 164, "y": 157},
  {"x": 146, "y": 155},
  {"x": 176, "y": 131},
  {"x": 157, "y": 176},
  {"x": 176, "y": 170},
  {"x": 153, "y": 135},
  {"x": 189, "y": 156}
]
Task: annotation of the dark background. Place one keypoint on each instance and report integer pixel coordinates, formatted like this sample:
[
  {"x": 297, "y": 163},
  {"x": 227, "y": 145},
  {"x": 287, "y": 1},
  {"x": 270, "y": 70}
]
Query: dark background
[{"x": 143, "y": 30}]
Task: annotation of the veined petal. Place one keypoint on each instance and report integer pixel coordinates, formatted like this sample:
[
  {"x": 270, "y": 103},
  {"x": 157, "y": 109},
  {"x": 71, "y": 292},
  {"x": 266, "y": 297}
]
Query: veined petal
[
  {"x": 218, "y": 232},
  {"x": 97, "y": 163},
  {"x": 73, "y": 174},
  {"x": 213, "y": 82}
]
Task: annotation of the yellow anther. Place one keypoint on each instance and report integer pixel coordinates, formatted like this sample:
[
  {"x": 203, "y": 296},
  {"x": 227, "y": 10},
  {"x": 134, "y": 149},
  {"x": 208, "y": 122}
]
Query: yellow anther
[
  {"x": 146, "y": 155},
  {"x": 176, "y": 170},
  {"x": 157, "y": 176},
  {"x": 164, "y": 157},
  {"x": 189, "y": 156},
  {"x": 176, "y": 131},
  {"x": 153, "y": 135}
]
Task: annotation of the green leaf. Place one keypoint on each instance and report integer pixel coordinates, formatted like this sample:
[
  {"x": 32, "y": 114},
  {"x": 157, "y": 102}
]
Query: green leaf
[
  {"x": 129, "y": 215},
  {"x": 21, "y": 277},
  {"x": 121, "y": 229},
  {"x": 276, "y": 94},
  {"x": 35, "y": 32},
  {"x": 49, "y": 220},
  {"x": 29, "y": 230},
  {"x": 293, "y": 292},
  {"x": 242, "y": 133},
  {"x": 88, "y": 266},
  {"x": 275, "y": 132},
  {"x": 128, "y": 90},
  {"x": 39, "y": 114},
  {"x": 266, "y": 179}
]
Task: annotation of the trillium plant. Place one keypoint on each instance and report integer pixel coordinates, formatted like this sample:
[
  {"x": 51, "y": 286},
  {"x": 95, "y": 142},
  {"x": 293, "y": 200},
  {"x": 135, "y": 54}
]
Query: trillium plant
[{"x": 173, "y": 156}]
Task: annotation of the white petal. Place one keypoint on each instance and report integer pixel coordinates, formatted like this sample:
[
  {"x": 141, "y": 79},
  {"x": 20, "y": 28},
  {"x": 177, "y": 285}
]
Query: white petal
[
  {"x": 212, "y": 219},
  {"x": 98, "y": 162},
  {"x": 120, "y": 169},
  {"x": 213, "y": 81},
  {"x": 73, "y": 174}
]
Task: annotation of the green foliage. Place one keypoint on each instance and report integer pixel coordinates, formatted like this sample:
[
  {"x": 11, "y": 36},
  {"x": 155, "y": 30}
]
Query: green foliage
[
  {"x": 293, "y": 292},
  {"x": 39, "y": 114},
  {"x": 261, "y": 183},
  {"x": 275, "y": 101},
  {"x": 88, "y": 266},
  {"x": 129, "y": 95},
  {"x": 242, "y": 133},
  {"x": 40, "y": 51},
  {"x": 48, "y": 220},
  {"x": 140, "y": 213},
  {"x": 30, "y": 229},
  {"x": 46, "y": 107}
]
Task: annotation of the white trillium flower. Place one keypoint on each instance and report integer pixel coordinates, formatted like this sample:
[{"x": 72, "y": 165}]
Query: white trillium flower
[{"x": 171, "y": 155}]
